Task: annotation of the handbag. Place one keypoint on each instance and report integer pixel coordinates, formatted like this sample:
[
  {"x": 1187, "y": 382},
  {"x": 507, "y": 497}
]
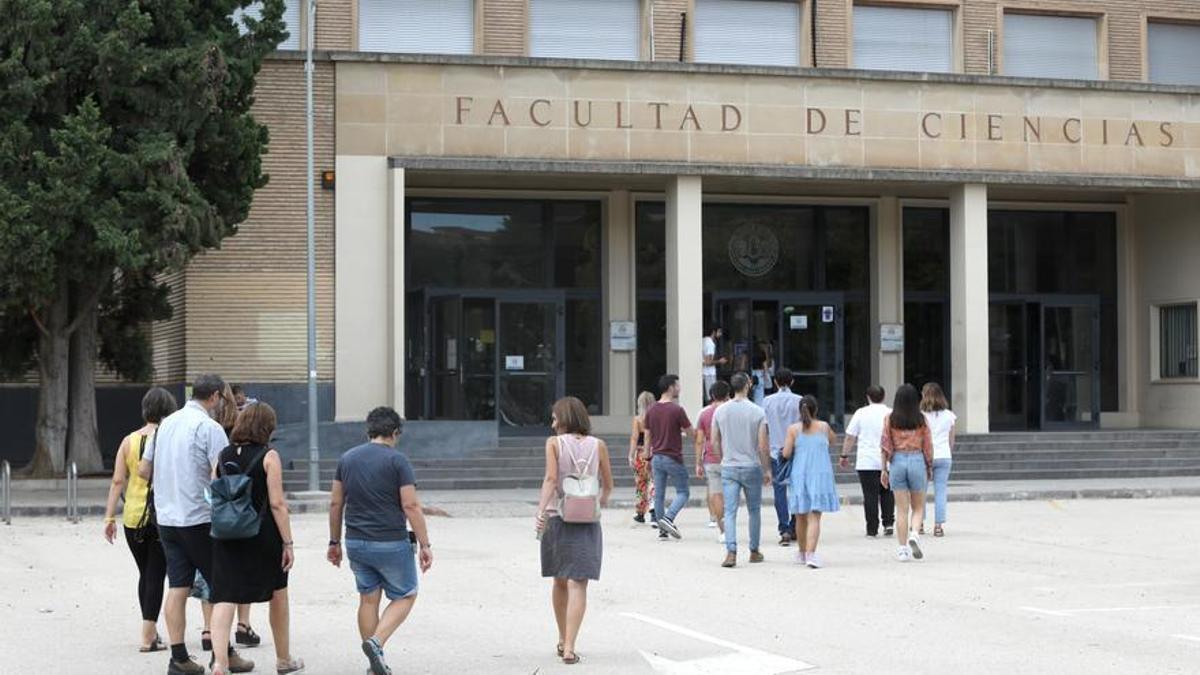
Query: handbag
[
  {"x": 783, "y": 475},
  {"x": 580, "y": 502},
  {"x": 147, "y": 527}
]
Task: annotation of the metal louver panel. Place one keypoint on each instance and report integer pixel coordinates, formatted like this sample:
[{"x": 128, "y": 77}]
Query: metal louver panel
[
  {"x": 748, "y": 32},
  {"x": 1174, "y": 52},
  {"x": 903, "y": 38},
  {"x": 1050, "y": 46},
  {"x": 585, "y": 29},
  {"x": 417, "y": 26}
]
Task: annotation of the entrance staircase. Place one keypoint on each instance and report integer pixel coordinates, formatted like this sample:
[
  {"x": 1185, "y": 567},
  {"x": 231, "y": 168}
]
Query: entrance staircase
[{"x": 518, "y": 462}]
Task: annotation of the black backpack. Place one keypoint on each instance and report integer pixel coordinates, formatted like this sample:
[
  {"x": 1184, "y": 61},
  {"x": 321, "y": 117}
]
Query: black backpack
[{"x": 234, "y": 515}]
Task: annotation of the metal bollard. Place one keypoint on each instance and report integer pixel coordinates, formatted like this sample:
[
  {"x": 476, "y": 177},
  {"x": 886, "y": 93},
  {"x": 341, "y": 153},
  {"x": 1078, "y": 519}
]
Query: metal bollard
[
  {"x": 73, "y": 493},
  {"x": 6, "y": 485}
]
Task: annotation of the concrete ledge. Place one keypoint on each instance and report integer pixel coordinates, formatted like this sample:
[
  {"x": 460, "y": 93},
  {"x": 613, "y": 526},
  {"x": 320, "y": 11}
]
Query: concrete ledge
[{"x": 799, "y": 172}]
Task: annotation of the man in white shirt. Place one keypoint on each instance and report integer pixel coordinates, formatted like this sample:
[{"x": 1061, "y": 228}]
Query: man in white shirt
[
  {"x": 783, "y": 410},
  {"x": 180, "y": 459},
  {"x": 711, "y": 361},
  {"x": 865, "y": 432}
]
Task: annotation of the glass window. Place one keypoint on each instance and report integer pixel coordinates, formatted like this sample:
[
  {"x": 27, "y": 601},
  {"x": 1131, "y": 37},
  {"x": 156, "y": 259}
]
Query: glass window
[
  {"x": 585, "y": 29},
  {"x": 417, "y": 26},
  {"x": 903, "y": 38},
  {"x": 1177, "y": 347},
  {"x": 291, "y": 20},
  {"x": 926, "y": 250},
  {"x": 749, "y": 32},
  {"x": 927, "y": 296},
  {"x": 1173, "y": 52},
  {"x": 1050, "y": 46}
]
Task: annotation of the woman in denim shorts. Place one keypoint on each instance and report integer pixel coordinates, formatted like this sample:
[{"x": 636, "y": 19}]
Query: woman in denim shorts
[{"x": 907, "y": 468}]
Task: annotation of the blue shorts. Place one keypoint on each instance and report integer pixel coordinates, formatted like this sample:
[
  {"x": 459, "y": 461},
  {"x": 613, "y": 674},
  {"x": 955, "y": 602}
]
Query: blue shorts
[
  {"x": 907, "y": 472},
  {"x": 390, "y": 565}
]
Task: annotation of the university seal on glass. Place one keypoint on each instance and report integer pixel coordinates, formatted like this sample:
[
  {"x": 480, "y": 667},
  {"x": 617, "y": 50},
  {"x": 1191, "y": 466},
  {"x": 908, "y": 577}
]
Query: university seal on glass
[{"x": 753, "y": 250}]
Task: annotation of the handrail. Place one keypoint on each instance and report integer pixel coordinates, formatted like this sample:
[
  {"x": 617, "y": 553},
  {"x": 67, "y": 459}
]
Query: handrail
[
  {"x": 73, "y": 493},
  {"x": 6, "y": 485}
]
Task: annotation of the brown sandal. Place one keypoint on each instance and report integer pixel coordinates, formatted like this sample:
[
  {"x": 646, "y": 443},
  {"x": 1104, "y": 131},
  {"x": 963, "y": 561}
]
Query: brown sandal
[
  {"x": 560, "y": 650},
  {"x": 570, "y": 660},
  {"x": 156, "y": 645}
]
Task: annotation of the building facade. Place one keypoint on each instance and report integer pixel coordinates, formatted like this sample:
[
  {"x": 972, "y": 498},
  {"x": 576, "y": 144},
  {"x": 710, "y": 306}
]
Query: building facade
[{"x": 536, "y": 198}]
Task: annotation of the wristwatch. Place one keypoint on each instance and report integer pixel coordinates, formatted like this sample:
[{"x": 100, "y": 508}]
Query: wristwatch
[{"x": 335, "y": 542}]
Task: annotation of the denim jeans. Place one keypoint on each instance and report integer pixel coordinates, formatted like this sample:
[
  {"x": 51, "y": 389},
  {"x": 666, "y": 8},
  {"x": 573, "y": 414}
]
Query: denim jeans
[
  {"x": 786, "y": 524},
  {"x": 941, "y": 476},
  {"x": 672, "y": 471},
  {"x": 736, "y": 480}
]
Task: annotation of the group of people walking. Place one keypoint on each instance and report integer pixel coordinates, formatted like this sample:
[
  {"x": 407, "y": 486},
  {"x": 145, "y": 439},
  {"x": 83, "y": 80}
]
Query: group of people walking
[
  {"x": 742, "y": 447},
  {"x": 205, "y": 509}
]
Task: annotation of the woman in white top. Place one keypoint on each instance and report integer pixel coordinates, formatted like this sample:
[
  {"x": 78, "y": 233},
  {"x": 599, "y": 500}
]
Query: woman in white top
[
  {"x": 941, "y": 420},
  {"x": 571, "y": 551}
]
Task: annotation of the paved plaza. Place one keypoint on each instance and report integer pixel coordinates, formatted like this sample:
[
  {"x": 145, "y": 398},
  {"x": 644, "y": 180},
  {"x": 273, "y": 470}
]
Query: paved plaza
[{"x": 1067, "y": 586}]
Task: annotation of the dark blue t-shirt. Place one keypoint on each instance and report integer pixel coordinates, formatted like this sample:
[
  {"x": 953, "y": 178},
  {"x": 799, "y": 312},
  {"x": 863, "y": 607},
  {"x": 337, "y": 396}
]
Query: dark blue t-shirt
[{"x": 371, "y": 476}]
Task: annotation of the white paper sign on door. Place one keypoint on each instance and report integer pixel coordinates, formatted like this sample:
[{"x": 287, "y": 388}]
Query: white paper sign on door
[
  {"x": 798, "y": 322},
  {"x": 827, "y": 314},
  {"x": 514, "y": 362}
]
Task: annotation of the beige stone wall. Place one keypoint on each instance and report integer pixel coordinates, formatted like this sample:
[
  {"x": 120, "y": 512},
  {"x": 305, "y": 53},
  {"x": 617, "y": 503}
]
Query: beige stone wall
[
  {"x": 482, "y": 111},
  {"x": 245, "y": 303},
  {"x": 504, "y": 27},
  {"x": 167, "y": 337},
  {"x": 1167, "y": 231}
]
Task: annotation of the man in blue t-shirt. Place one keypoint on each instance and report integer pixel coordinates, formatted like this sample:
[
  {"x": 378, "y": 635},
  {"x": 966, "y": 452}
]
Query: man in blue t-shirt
[{"x": 376, "y": 487}]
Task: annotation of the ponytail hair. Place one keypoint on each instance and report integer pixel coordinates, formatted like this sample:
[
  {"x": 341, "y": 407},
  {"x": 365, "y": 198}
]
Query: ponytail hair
[{"x": 808, "y": 411}]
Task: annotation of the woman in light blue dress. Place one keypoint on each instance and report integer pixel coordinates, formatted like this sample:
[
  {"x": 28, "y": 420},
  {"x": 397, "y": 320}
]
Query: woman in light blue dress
[{"x": 812, "y": 490}]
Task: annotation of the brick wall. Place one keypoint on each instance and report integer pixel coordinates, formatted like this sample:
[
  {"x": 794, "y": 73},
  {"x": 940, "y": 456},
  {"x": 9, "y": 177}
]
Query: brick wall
[
  {"x": 666, "y": 28},
  {"x": 246, "y": 301},
  {"x": 336, "y": 25}
]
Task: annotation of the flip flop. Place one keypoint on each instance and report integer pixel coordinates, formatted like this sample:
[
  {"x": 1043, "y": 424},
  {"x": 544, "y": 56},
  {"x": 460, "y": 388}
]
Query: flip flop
[
  {"x": 155, "y": 646},
  {"x": 570, "y": 660},
  {"x": 560, "y": 650}
]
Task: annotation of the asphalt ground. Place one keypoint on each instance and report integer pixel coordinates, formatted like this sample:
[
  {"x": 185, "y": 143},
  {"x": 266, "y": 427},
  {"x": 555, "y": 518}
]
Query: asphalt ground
[{"x": 1080, "y": 586}]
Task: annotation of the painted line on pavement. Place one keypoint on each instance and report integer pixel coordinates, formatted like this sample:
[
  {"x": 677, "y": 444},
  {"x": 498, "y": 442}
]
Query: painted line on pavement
[
  {"x": 1130, "y": 584},
  {"x": 1191, "y": 638},
  {"x": 745, "y": 660},
  {"x": 1091, "y": 610}
]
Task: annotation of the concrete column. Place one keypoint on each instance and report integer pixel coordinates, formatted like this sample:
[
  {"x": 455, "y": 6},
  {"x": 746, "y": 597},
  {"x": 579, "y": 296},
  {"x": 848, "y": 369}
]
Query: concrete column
[
  {"x": 396, "y": 289},
  {"x": 619, "y": 302},
  {"x": 969, "y": 306},
  {"x": 887, "y": 292},
  {"x": 363, "y": 269},
  {"x": 685, "y": 289}
]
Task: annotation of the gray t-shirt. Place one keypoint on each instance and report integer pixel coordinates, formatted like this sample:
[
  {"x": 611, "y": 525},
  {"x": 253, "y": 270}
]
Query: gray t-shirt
[
  {"x": 371, "y": 476},
  {"x": 739, "y": 422}
]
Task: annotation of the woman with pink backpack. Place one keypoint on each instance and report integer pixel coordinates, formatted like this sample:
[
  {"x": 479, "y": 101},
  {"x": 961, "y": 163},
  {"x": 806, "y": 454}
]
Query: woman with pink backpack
[{"x": 577, "y": 485}]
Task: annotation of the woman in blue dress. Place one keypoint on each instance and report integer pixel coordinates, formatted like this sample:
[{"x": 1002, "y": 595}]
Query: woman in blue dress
[{"x": 812, "y": 490}]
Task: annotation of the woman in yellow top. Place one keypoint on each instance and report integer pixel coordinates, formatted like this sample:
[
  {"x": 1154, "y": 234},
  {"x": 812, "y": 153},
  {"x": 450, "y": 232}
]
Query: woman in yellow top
[{"x": 141, "y": 533}]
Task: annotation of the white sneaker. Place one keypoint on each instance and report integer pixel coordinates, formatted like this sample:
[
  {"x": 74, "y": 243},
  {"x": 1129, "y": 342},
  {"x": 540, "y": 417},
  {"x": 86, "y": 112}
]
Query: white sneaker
[
  {"x": 915, "y": 544},
  {"x": 813, "y": 561},
  {"x": 720, "y": 537},
  {"x": 712, "y": 523},
  {"x": 801, "y": 558},
  {"x": 903, "y": 555}
]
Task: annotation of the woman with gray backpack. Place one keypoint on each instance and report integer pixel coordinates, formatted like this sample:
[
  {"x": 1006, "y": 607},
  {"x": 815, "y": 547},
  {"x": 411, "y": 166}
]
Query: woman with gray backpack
[
  {"x": 577, "y": 485},
  {"x": 252, "y": 535}
]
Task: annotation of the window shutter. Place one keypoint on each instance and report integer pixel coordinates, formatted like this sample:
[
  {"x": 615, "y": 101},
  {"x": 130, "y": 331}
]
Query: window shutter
[
  {"x": 903, "y": 38},
  {"x": 1174, "y": 53},
  {"x": 748, "y": 32},
  {"x": 1050, "y": 46},
  {"x": 585, "y": 29},
  {"x": 417, "y": 26}
]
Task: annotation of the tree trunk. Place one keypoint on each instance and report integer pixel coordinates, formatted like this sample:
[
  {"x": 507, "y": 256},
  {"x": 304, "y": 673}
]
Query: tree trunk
[
  {"x": 49, "y": 456},
  {"x": 83, "y": 440}
]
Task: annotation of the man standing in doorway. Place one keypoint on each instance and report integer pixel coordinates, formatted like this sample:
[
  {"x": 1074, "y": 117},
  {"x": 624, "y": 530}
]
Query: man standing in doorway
[
  {"x": 666, "y": 424},
  {"x": 376, "y": 488},
  {"x": 711, "y": 361},
  {"x": 740, "y": 438},
  {"x": 783, "y": 410},
  {"x": 180, "y": 459},
  {"x": 865, "y": 432}
]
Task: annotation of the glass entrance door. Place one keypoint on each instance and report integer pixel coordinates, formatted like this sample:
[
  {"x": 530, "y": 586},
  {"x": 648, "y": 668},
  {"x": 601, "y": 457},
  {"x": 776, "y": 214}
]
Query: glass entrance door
[
  {"x": 446, "y": 374},
  {"x": 462, "y": 358},
  {"x": 1044, "y": 363},
  {"x": 1070, "y": 365},
  {"x": 530, "y": 361},
  {"x": 811, "y": 347}
]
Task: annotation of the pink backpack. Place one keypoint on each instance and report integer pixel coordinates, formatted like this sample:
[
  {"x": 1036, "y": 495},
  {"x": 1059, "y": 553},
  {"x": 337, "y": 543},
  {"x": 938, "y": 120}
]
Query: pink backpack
[{"x": 580, "y": 502}]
